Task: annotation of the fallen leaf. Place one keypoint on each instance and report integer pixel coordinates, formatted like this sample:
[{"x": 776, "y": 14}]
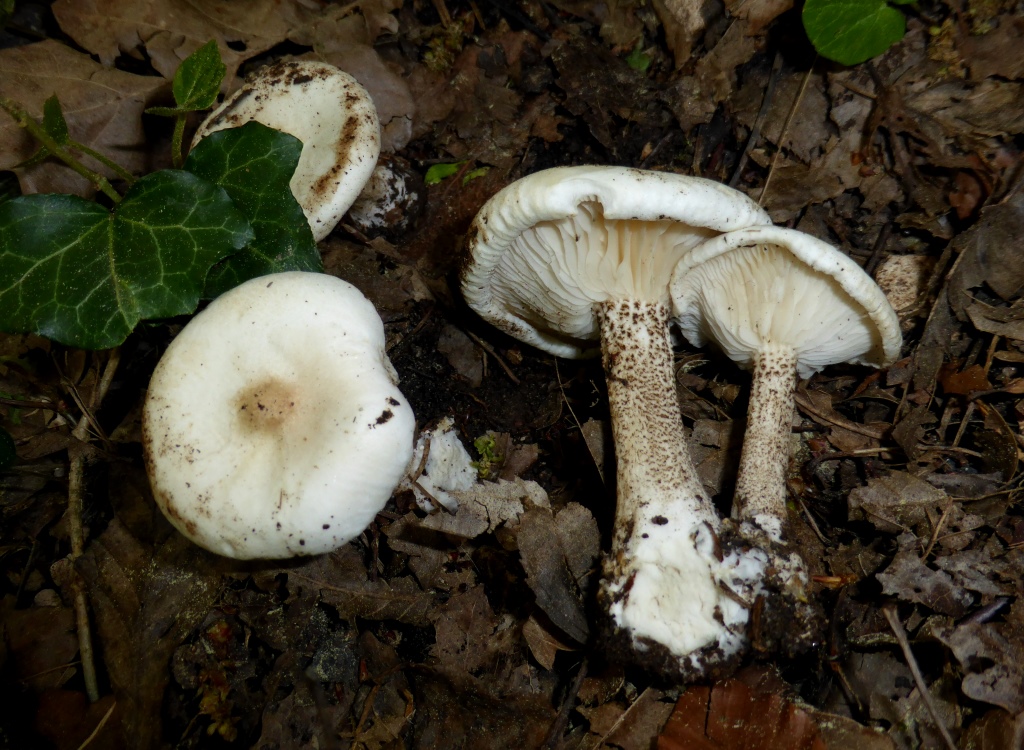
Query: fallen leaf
[
  {"x": 467, "y": 635},
  {"x": 170, "y": 30},
  {"x": 103, "y": 108},
  {"x": 992, "y": 657},
  {"x": 730, "y": 714},
  {"x": 145, "y": 602},
  {"x": 913, "y": 581},
  {"x": 543, "y": 644},
  {"x": 548, "y": 575},
  {"x": 344, "y": 583}
]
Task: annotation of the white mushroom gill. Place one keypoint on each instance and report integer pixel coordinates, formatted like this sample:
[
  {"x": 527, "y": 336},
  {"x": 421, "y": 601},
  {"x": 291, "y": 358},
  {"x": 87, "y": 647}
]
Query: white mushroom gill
[{"x": 585, "y": 259}]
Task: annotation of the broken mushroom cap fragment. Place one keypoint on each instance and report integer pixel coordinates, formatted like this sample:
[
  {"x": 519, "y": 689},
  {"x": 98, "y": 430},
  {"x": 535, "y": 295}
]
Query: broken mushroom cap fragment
[
  {"x": 577, "y": 260},
  {"x": 273, "y": 426},
  {"x": 330, "y": 113},
  {"x": 783, "y": 304}
]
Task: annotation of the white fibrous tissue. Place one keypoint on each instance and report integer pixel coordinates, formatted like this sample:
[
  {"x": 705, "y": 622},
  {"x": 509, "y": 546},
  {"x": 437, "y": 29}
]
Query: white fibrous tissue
[
  {"x": 677, "y": 596},
  {"x": 449, "y": 468}
]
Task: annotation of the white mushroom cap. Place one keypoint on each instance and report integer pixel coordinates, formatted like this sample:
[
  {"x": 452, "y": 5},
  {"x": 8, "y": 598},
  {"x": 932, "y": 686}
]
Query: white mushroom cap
[
  {"x": 548, "y": 248},
  {"x": 774, "y": 286},
  {"x": 330, "y": 113},
  {"x": 273, "y": 426}
]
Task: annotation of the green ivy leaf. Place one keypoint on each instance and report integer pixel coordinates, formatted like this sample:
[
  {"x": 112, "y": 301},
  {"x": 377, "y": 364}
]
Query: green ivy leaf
[
  {"x": 440, "y": 172},
  {"x": 254, "y": 164},
  {"x": 638, "y": 60},
  {"x": 54, "y": 123},
  {"x": 76, "y": 273},
  {"x": 6, "y": 11},
  {"x": 55, "y": 126},
  {"x": 852, "y": 31},
  {"x": 196, "y": 82}
]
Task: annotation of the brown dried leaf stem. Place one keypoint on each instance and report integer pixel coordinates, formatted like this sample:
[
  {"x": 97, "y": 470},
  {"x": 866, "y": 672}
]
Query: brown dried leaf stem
[
  {"x": 901, "y": 635},
  {"x": 76, "y": 484},
  {"x": 785, "y": 129}
]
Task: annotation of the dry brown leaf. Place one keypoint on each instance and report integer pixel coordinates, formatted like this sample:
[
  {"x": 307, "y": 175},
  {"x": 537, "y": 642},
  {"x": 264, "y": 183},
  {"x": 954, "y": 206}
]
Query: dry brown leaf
[
  {"x": 900, "y": 502},
  {"x": 989, "y": 255},
  {"x": 992, "y": 655},
  {"x": 543, "y": 644},
  {"x": 684, "y": 22},
  {"x": 468, "y": 637},
  {"x": 731, "y": 714},
  {"x": 913, "y": 581},
  {"x": 145, "y": 601},
  {"x": 70, "y": 722},
  {"x": 548, "y": 575},
  {"x": 344, "y": 584},
  {"x": 103, "y": 108},
  {"x": 41, "y": 644},
  {"x": 171, "y": 30}
]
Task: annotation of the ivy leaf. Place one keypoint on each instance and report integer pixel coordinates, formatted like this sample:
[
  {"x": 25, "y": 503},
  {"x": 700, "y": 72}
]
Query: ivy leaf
[
  {"x": 76, "y": 273},
  {"x": 54, "y": 123},
  {"x": 196, "y": 82},
  {"x": 852, "y": 31},
  {"x": 55, "y": 126},
  {"x": 254, "y": 164}
]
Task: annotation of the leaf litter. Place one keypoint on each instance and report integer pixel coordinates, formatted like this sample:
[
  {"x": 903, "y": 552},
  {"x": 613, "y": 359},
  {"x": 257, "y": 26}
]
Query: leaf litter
[{"x": 472, "y": 628}]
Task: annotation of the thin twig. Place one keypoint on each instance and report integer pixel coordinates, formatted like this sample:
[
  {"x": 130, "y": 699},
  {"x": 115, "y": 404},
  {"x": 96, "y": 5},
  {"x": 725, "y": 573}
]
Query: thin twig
[
  {"x": 785, "y": 130},
  {"x": 755, "y": 130},
  {"x": 901, "y": 635},
  {"x": 936, "y": 531},
  {"x": 811, "y": 521},
  {"x": 96, "y": 731},
  {"x": 557, "y": 728},
  {"x": 76, "y": 490},
  {"x": 490, "y": 350}
]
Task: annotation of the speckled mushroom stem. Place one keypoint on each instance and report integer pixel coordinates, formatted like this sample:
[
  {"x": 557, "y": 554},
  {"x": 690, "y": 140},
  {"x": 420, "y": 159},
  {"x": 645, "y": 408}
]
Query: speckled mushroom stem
[
  {"x": 656, "y": 479},
  {"x": 662, "y": 584},
  {"x": 761, "y": 485}
]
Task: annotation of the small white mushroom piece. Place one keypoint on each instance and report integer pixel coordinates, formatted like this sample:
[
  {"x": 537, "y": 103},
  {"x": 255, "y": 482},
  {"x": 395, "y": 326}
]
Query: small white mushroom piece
[
  {"x": 330, "y": 113},
  {"x": 577, "y": 260},
  {"x": 273, "y": 426},
  {"x": 782, "y": 304}
]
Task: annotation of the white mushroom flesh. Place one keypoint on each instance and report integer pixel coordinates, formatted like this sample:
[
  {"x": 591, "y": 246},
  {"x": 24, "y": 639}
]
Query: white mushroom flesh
[
  {"x": 273, "y": 426},
  {"x": 330, "y": 113}
]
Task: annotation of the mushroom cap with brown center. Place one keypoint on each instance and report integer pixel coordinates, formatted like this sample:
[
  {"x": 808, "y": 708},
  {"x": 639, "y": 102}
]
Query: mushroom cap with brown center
[
  {"x": 273, "y": 426},
  {"x": 547, "y": 249}
]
